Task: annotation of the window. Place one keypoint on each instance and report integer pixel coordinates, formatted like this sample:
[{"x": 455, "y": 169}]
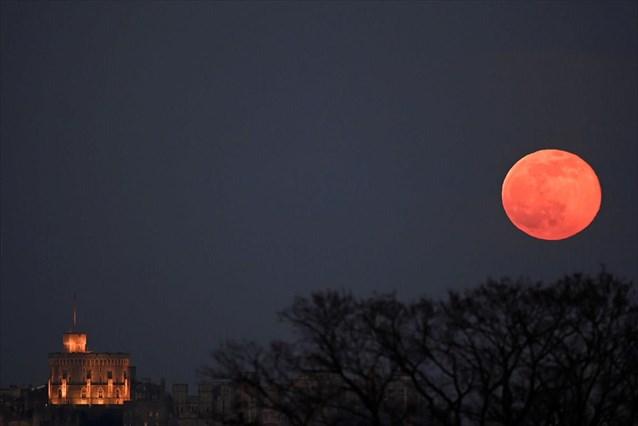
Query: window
[
  {"x": 88, "y": 374},
  {"x": 100, "y": 393},
  {"x": 109, "y": 375},
  {"x": 117, "y": 393},
  {"x": 83, "y": 393}
]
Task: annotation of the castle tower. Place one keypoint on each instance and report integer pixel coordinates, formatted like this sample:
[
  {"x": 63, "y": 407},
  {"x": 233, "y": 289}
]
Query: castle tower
[
  {"x": 74, "y": 341},
  {"x": 81, "y": 377}
]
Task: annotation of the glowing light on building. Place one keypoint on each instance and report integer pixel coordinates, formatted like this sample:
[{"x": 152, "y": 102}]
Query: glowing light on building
[{"x": 78, "y": 376}]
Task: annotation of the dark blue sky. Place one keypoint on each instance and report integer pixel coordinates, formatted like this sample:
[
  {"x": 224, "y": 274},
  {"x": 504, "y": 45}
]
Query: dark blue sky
[{"x": 187, "y": 168}]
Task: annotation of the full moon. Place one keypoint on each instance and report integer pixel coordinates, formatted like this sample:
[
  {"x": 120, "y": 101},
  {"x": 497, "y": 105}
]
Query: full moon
[{"x": 551, "y": 194}]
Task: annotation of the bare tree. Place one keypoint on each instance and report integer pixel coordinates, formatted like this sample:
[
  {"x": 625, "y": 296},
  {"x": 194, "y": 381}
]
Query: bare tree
[
  {"x": 504, "y": 353},
  {"x": 337, "y": 344},
  {"x": 503, "y": 335},
  {"x": 266, "y": 378},
  {"x": 590, "y": 379}
]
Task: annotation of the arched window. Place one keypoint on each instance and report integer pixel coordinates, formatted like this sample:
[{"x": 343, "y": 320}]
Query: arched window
[
  {"x": 117, "y": 393},
  {"x": 100, "y": 393},
  {"x": 83, "y": 393}
]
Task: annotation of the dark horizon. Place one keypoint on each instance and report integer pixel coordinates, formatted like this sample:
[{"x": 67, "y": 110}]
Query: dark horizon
[{"x": 186, "y": 169}]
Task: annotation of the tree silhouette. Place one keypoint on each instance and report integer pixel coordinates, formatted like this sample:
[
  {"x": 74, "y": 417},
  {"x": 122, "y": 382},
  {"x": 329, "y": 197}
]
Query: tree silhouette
[
  {"x": 504, "y": 353},
  {"x": 338, "y": 344},
  {"x": 591, "y": 371}
]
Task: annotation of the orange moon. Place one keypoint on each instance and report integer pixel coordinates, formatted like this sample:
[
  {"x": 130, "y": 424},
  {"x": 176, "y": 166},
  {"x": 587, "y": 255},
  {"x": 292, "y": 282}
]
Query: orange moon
[{"x": 551, "y": 194}]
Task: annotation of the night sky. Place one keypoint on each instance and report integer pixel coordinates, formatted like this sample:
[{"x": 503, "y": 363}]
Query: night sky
[{"x": 188, "y": 168}]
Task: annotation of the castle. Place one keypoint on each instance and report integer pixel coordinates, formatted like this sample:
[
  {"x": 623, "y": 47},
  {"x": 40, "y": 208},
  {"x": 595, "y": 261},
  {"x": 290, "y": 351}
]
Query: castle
[{"x": 78, "y": 376}]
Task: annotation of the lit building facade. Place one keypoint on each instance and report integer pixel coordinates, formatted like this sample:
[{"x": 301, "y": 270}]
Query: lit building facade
[{"x": 80, "y": 377}]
